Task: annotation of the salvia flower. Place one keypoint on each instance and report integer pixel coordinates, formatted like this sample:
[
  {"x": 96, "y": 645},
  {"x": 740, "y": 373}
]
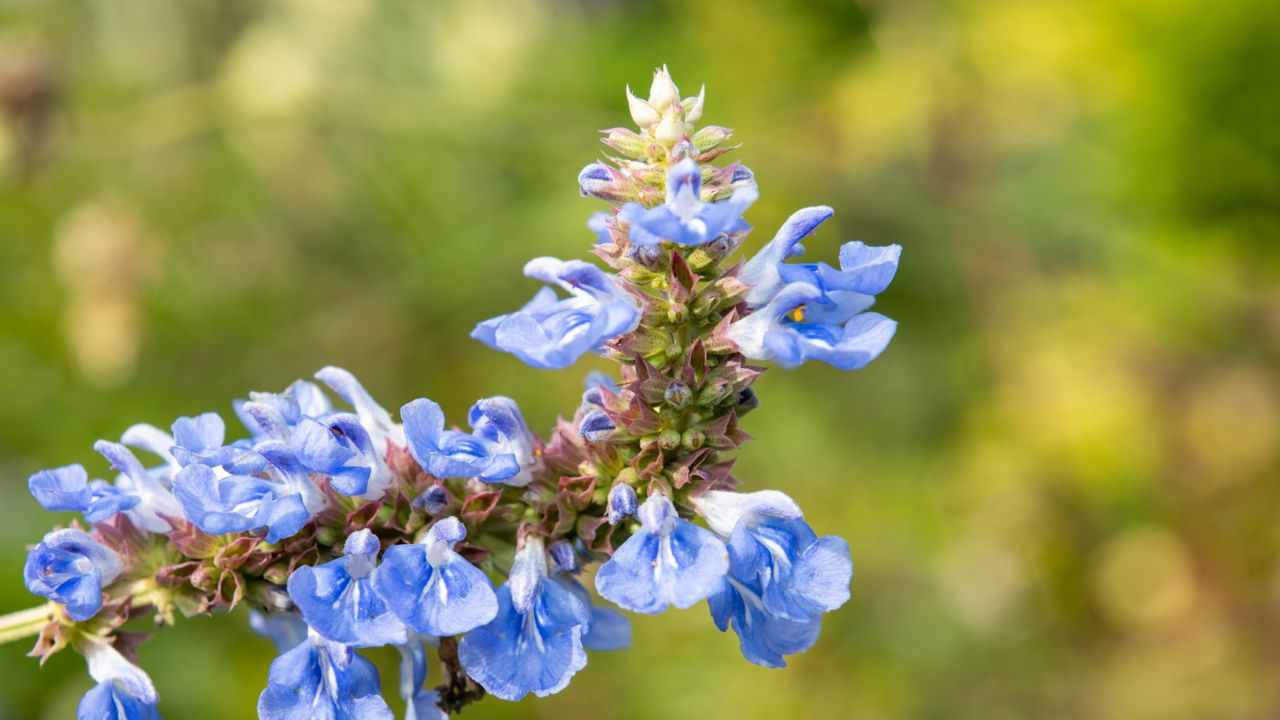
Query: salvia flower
[
  {"x": 68, "y": 489},
  {"x": 199, "y": 440},
  {"x": 685, "y": 219},
  {"x": 322, "y": 680},
  {"x": 71, "y": 568},
  {"x": 499, "y": 448},
  {"x": 782, "y": 576},
  {"x": 432, "y": 588},
  {"x": 534, "y": 644},
  {"x": 812, "y": 311},
  {"x": 622, "y": 503},
  {"x": 339, "y": 447},
  {"x": 668, "y": 561},
  {"x": 763, "y": 637},
  {"x": 220, "y": 503},
  {"x": 863, "y": 269},
  {"x": 338, "y": 601},
  {"x": 596, "y": 425},
  {"x": 802, "y": 323},
  {"x": 553, "y": 332},
  {"x": 800, "y": 574},
  {"x": 123, "y": 692}
]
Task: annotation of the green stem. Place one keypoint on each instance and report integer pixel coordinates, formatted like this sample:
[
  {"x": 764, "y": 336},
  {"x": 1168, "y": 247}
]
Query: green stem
[{"x": 25, "y": 623}]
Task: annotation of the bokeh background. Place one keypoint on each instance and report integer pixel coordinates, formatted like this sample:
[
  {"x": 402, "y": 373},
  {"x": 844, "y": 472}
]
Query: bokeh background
[{"x": 1061, "y": 483}]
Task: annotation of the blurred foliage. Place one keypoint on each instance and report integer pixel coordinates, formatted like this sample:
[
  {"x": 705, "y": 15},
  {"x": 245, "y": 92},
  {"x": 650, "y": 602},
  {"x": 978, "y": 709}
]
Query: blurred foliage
[{"x": 1060, "y": 483}]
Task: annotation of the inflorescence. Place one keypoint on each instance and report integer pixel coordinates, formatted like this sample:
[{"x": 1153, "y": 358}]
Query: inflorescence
[{"x": 343, "y": 529}]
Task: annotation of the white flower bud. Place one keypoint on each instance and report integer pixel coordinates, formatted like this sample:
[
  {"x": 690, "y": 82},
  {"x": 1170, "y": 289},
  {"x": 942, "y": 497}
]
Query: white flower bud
[
  {"x": 693, "y": 106},
  {"x": 663, "y": 92},
  {"x": 671, "y": 130},
  {"x": 641, "y": 112}
]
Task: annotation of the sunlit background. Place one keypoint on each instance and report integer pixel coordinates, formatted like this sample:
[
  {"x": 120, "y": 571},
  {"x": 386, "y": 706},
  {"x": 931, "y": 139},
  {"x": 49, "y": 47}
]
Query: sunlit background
[{"x": 1061, "y": 483}]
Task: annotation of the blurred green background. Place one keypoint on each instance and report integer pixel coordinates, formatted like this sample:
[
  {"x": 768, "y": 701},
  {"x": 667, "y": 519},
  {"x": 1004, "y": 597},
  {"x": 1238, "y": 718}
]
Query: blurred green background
[{"x": 1061, "y": 483}]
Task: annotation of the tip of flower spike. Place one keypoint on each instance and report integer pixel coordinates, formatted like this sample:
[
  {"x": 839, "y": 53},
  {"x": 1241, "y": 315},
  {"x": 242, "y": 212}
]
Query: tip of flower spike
[{"x": 663, "y": 91}]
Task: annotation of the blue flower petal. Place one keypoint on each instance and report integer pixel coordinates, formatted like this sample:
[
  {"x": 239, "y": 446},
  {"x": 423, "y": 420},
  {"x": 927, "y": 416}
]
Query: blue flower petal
[
  {"x": 433, "y": 589},
  {"x": 322, "y": 680},
  {"x": 534, "y": 644},
  {"x": 338, "y": 600},
  {"x": 668, "y": 561}
]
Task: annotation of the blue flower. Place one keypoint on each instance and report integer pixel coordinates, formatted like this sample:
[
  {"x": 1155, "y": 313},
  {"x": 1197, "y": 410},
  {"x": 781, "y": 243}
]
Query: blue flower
[
  {"x": 338, "y": 601},
  {"x": 433, "y": 500},
  {"x": 802, "y": 322},
  {"x": 218, "y": 503},
  {"x": 863, "y": 269},
  {"x": 622, "y": 503},
  {"x": 123, "y": 692},
  {"x": 432, "y": 588},
  {"x": 419, "y": 703},
  {"x": 271, "y": 416},
  {"x": 685, "y": 219},
  {"x": 322, "y": 680},
  {"x": 782, "y": 576},
  {"x": 71, "y": 568},
  {"x": 595, "y": 178},
  {"x": 668, "y": 561},
  {"x": 534, "y": 644},
  {"x": 500, "y": 447},
  {"x": 156, "y": 500},
  {"x": 67, "y": 489},
  {"x": 770, "y": 545},
  {"x": 812, "y": 311},
  {"x": 198, "y": 440},
  {"x": 339, "y": 447},
  {"x": 763, "y": 637},
  {"x": 596, "y": 425},
  {"x": 552, "y": 332}
]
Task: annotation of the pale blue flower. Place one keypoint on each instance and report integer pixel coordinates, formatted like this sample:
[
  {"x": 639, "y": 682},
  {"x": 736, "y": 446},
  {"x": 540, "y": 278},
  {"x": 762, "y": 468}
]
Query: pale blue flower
[
  {"x": 71, "y": 568},
  {"x": 782, "y": 576},
  {"x": 337, "y": 599},
  {"x": 801, "y": 322},
  {"x": 553, "y": 332},
  {"x": 864, "y": 269},
  {"x": 322, "y": 680},
  {"x": 219, "y": 503},
  {"x": 68, "y": 489},
  {"x": 685, "y": 219},
  {"x": 534, "y": 644},
  {"x": 667, "y": 561},
  {"x": 433, "y": 589},
  {"x": 156, "y": 500},
  {"x": 285, "y": 629},
  {"x": 622, "y": 503},
  {"x": 500, "y": 447}
]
